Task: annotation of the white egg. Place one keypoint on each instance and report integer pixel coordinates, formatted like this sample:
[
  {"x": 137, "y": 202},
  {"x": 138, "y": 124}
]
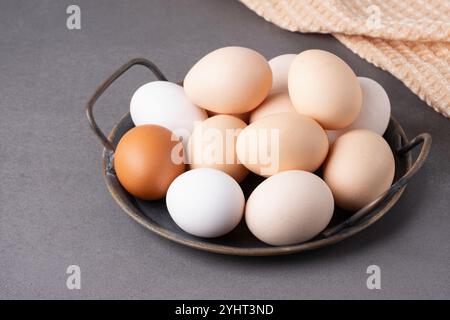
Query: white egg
[
  {"x": 375, "y": 110},
  {"x": 205, "y": 202},
  {"x": 165, "y": 103},
  {"x": 280, "y": 70}
]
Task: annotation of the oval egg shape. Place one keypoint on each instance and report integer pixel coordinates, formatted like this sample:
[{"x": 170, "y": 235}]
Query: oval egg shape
[
  {"x": 323, "y": 87},
  {"x": 230, "y": 80},
  {"x": 147, "y": 159},
  {"x": 205, "y": 202},
  {"x": 288, "y": 208},
  {"x": 359, "y": 168},
  {"x": 280, "y": 142}
]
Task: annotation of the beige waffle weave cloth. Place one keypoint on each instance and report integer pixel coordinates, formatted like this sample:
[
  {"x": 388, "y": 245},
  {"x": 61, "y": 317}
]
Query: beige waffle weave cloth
[{"x": 410, "y": 39}]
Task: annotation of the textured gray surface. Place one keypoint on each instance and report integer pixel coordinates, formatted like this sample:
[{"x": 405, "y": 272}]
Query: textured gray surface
[{"x": 54, "y": 207}]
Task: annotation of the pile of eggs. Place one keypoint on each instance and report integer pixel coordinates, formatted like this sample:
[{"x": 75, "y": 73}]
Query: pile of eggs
[{"x": 283, "y": 120}]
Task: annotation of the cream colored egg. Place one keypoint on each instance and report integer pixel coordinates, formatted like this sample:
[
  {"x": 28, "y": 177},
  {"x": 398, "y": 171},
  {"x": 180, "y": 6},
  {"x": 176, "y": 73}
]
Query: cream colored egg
[
  {"x": 230, "y": 80},
  {"x": 274, "y": 103},
  {"x": 280, "y": 69},
  {"x": 359, "y": 168},
  {"x": 324, "y": 87},
  {"x": 280, "y": 142},
  {"x": 289, "y": 207},
  {"x": 243, "y": 116},
  {"x": 213, "y": 145}
]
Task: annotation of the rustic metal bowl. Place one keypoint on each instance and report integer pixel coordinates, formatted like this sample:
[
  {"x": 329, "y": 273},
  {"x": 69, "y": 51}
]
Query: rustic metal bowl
[{"x": 154, "y": 216}]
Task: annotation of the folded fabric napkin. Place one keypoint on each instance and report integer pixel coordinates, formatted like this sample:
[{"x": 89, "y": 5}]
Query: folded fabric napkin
[{"x": 410, "y": 39}]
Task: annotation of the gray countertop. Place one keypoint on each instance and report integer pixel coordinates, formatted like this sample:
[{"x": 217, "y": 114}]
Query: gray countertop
[{"x": 55, "y": 210}]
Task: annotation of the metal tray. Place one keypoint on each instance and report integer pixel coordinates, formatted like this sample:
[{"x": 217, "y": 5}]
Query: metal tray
[{"x": 154, "y": 216}]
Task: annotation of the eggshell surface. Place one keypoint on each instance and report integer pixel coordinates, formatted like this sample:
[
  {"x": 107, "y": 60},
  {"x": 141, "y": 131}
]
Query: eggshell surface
[
  {"x": 280, "y": 70},
  {"x": 213, "y": 145},
  {"x": 359, "y": 168},
  {"x": 288, "y": 208},
  {"x": 324, "y": 87},
  {"x": 205, "y": 202},
  {"x": 230, "y": 80},
  {"x": 165, "y": 104},
  {"x": 147, "y": 159},
  {"x": 274, "y": 103},
  {"x": 243, "y": 116},
  {"x": 375, "y": 110},
  {"x": 281, "y": 142}
]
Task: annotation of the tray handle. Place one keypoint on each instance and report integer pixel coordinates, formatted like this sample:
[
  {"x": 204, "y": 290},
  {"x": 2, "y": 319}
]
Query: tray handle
[
  {"x": 105, "y": 85},
  {"x": 425, "y": 140}
]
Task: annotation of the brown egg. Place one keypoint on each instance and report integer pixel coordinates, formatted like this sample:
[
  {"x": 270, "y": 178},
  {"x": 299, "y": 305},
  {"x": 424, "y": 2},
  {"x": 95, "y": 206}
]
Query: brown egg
[
  {"x": 280, "y": 142},
  {"x": 359, "y": 168},
  {"x": 274, "y": 103},
  {"x": 213, "y": 145},
  {"x": 147, "y": 159},
  {"x": 230, "y": 80},
  {"x": 323, "y": 87}
]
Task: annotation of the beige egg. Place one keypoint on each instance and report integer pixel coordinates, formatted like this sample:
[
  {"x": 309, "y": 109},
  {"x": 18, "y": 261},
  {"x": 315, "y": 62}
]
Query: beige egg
[
  {"x": 243, "y": 116},
  {"x": 274, "y": 103},
  {"x": 323, "y": 87},
  {"x": 213, "y": 145},
  {"x": 230, "y": 80},
  {"x": 289, "y": 207},
  {"x": 280, "y": 142},
  {"x": 359, "y": 168}
]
